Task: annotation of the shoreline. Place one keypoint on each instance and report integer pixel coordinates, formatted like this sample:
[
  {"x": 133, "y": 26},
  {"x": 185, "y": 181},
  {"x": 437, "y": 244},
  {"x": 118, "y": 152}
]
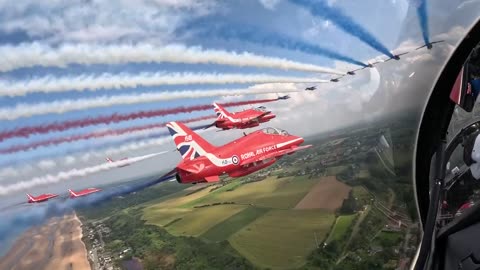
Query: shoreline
[{"x": 57, "y": 244}]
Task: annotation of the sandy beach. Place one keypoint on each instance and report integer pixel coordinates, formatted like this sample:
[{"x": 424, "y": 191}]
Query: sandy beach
[{"x": 55, "y": 245}]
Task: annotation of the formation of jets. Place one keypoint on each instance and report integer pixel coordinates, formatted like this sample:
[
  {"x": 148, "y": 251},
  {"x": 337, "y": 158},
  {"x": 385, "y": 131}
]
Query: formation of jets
[
  {"x": 72, "y": 194},
  {"x": 372, "y": 64},
  {"x": 204, "y": 162}
]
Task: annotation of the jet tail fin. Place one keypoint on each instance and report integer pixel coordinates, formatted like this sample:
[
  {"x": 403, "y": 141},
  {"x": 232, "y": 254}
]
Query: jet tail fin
[
  {"x": 189, "y": 144},
  {"x": 72, "y": 193},
  {"x": 220, "y": 111},
  {"x": 30, "y": 197}
]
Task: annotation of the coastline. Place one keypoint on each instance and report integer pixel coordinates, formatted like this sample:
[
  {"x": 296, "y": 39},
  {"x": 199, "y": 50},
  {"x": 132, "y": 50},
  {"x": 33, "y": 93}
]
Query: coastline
[{"x": 57, "y": 244}]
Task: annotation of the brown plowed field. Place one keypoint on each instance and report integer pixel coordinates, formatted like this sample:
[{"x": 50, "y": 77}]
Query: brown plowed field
[{"x": 328, "y": 194}]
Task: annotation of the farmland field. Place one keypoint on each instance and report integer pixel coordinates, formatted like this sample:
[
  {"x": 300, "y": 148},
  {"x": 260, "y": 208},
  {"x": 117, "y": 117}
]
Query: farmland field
[
  {"x": 162, "y": 217},
  {"x": 226, "y": 228},
  {"x": 271, "y": 192},
  {"x": 287, "y": 232},
  {"x": 328, "y": 193},
  {"x": 180, "y": 198},
  {"x": 196, "y": 222},
  {"x": 262, "y": 222},
  {"x": 342, "y": 224}
]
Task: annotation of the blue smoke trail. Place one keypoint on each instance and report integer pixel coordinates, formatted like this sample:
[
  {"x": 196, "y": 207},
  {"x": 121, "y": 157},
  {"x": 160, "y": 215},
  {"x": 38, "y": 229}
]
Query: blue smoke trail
[
  {"x": 16, "y": 222},
  {"x": 423, "y": 18},
  {"x": 209, "y": 28},
  {"x": 340, "y": 19}
]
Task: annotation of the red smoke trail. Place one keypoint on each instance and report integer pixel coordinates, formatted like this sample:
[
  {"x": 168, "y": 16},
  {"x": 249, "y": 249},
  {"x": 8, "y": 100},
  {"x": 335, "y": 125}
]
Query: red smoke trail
[
  {"x": 31, "y": 146},
  {"x": 115, "y": 118}
]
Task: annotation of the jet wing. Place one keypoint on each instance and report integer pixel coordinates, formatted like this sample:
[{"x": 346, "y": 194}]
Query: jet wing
[
  {"x": 258, "y": 117},
  {"x": 277, "y": 154}
]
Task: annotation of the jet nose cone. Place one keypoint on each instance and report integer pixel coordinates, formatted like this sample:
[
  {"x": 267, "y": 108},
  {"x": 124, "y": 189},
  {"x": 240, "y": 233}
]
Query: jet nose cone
[
  {"x": 297, "y": 140},
  {"x": 301, "y": 140}
]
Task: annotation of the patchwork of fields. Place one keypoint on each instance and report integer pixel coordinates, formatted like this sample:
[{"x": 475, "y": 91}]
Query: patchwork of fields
[
  {"x": 259, "y": 219},
  {"x": 290, "y": 233}
]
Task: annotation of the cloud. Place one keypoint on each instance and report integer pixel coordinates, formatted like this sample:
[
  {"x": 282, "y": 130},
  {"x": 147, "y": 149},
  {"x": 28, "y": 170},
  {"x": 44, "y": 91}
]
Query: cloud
[
  {"x": 342, "y": 20},
  {"x": 46, "y": 164},
  {"x": 269, "y": 4},
  {"x": 99, "y": 21},
  {"x": 207, "y": 28},
  {"x": 69, "y": 160}
]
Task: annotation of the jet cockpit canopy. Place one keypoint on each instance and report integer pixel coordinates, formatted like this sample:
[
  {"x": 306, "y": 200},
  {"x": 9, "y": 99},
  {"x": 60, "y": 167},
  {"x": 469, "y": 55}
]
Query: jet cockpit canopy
[{"x": 275, "y": 131}]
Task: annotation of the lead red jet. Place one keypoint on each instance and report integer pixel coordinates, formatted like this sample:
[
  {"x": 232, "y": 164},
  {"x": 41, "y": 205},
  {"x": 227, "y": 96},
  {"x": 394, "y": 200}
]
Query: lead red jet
[
  {"x": 240, "y": 120},
  {"x": 109, "y": 160},
  {"x": 40, "y": 198},
  {"x": 203, "y": 162},
  {"x": 84, "y": 192}
]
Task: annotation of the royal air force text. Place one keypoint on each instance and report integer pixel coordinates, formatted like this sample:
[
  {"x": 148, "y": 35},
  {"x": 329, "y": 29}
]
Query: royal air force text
[{"x": 260, "y": 151}]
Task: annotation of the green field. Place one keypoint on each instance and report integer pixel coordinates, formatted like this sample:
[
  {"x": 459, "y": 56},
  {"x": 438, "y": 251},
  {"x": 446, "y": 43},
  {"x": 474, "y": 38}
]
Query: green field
[
  {"x": 290, "y": 233},
  {"x": 226, "y": 228},
  {"x": 288, "y": 193},
  {"x": 260, "y": 225},
  {"x": 161, "y": 217},
  {"x": 339, "y": 231},
  {"x": 199, "y": 221},
  {"x": 178, "y": 199},
  {"x": 209, "y": 197},
  {"x": 271, "y": 192}
]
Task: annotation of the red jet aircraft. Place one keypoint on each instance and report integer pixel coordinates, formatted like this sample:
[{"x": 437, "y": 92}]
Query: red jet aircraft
[
  {"x": 119, "y": 166},
  {"x": 40, "y": 198},
  {"x": 240, "y": 120},
  {"x": 203, "y": 162},
  {"x": 84, "y": 192}
]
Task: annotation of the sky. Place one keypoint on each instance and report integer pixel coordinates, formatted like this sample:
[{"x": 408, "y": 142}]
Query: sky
[{"x": 88, "y": 59}]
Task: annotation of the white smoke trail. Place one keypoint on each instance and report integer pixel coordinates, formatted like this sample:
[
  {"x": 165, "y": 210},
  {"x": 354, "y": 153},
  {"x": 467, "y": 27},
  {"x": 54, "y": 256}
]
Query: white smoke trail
[
  {"x": 62, "y": 106},
  {"x": 61, "y": 176},
  {"x": 6, "y": 173},
  {"x": 51, "y": 84},
  {"x": 37, "y": 54}
]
